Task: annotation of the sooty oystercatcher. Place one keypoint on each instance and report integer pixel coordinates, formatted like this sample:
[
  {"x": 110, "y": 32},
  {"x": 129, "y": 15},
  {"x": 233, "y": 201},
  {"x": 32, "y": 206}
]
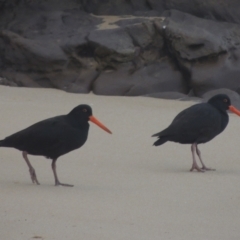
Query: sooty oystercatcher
[
  {"x": 53, "y": 137},
  {"x": 197, "y": 124}
]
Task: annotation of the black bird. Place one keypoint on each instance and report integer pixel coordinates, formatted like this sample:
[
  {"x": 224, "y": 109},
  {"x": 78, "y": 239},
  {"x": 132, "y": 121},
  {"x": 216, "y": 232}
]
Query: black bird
[
  {"x": 53, "y": 137},
  {"x": 197, "y": 124}
]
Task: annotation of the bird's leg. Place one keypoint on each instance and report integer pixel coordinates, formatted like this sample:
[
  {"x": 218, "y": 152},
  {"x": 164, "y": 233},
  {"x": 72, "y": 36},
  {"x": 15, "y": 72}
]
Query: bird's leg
[
  {"x": 31, "y": 169},
  {"x": 194, "y": 165},
  {"x": 203, "y": 165},
  {"x": 54, "y": 168}
]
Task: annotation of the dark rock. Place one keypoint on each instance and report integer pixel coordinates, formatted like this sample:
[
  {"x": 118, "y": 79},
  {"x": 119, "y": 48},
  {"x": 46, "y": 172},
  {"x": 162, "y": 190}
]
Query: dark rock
[
  {"x": 57, "y": 44},
  {"x": 115, "y": 7},
  {"x": 112, "y": 82},
  {"x": 48, "y": 44},
  {"x": 108, "y": 7},
  {"x": 150, "y": 43},
  {"x": 192, "y": 38},
  {"x": 112, "y": 40},
  {"x": 158, "y": 77},
  {"x": 222, "y": 72},
  {"x": 158, "y": 5},
  {"x": 20, "y": 79},
  {"x": 216, "y": 10},
  {"x": 167, "y": 95},
  {"x": 49, "y": 51},
  {"x": 73, "y": 81},
  {"x": 25, "y": 54},
  {"x": 206, "y": 51},
  {"x": 161, "y": 76},
  {"x": 6, "y": 82},
  {"x": 142, "y": 34}
]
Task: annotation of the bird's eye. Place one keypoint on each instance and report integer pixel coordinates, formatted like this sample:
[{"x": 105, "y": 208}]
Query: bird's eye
[
  {"x": 84, "y": 110},
  {"x": 225, "y": 100}
]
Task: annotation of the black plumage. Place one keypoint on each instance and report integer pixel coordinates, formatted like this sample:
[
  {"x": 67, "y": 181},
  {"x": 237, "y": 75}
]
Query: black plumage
[
  {"x": 198, "y": 124},
  {"x": 53, "y": 137}
]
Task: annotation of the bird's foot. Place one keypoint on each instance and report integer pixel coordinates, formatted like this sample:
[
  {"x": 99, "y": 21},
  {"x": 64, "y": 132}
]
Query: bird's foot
[
  {"x": 33, "y": 176},
  {"x": 208, "y": 169},
  {"x": 197, "y": 168},
  {"x": 57, "y": 183}
]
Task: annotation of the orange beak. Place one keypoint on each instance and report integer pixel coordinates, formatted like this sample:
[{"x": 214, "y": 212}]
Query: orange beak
[
  {"x": 234, "y": 110},
  {"x": 94, "y": 120}
]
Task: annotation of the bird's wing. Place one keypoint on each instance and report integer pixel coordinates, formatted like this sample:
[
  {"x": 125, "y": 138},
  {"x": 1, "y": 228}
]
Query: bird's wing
[
  {"x": 195, "y": 120},
  {"x": 44, "y": 134}
]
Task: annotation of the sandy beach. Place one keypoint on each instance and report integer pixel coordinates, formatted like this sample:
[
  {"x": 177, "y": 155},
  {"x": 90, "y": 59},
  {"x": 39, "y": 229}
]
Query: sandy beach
[{"x": 124, "y": 188}]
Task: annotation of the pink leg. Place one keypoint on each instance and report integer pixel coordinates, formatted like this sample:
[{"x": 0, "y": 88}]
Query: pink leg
[
  {"x": 57, "y": 182},
  {"x": 194, "y": 165},
  {"x": 203, "y": 165},
  {"x": 31, "y": 169}
]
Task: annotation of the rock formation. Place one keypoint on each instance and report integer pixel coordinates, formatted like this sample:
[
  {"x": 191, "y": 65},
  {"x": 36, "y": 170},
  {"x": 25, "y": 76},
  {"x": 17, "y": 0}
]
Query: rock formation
[{"x": 158, "y": 48}]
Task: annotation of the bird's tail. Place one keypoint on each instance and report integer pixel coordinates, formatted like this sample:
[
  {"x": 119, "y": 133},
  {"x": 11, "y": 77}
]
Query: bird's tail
[
  {"x": 157, "y": 134},
  {"x": 160, "y": 141}
]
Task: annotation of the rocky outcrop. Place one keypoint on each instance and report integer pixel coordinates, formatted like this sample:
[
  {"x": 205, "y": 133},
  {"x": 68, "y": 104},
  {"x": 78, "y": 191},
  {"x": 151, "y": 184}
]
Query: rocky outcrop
[
  {"x": 205, "y": 50},
  {"x": 111, "y": 56},
  {"x": 227, "y": 11},
  {"x": 161, "y": 76},
  {"x": 157, "y": 52}
]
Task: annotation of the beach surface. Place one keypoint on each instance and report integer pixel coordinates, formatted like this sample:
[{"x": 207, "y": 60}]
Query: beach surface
[{"x": 124, "y": 188}]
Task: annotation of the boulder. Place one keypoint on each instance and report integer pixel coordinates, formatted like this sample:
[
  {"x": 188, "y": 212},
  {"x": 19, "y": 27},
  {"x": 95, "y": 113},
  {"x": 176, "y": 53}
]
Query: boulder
[
  {"x": 167, "y": 95},
  {"x": 19, "y": 79},
  {"x": 109, "y": 41},
  {"x": 116, "y": 7},
  {"x": 145, "y": 36},
  {"x": 207, "y": 52},
  {"x": 59, "y": 44},
  {"x": 157, "y": 77},
  {"x": 6, "y": 82},
  {"x": 192, "y": 38},
  {"x": 227, "y": 11},
  {"x": 27, "y": 54},
  {"x": 73, "y": 81},
  {"x": 222, "y": 72}
]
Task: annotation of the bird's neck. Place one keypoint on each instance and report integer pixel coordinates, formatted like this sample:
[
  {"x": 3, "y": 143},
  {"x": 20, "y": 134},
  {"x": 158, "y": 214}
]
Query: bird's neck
[
  {"x": 225, "y": 119},
  {"x": 78, "y": 123}
]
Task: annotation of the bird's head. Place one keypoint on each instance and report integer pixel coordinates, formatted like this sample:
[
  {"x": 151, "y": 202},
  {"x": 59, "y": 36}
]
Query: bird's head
[
  {"x": 83, "y": 113},
  {"x": 223, "y": 102}
]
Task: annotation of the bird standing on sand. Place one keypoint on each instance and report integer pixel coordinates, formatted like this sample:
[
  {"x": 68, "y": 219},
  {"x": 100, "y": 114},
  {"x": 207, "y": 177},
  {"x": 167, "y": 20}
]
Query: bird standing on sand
[
  {"x": 53, "y": 137},
  {"x": 197, "y": 124}
]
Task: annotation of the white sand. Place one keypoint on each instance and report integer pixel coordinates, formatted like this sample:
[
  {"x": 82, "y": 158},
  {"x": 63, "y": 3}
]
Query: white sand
[{"x": 125, "y": 189}]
